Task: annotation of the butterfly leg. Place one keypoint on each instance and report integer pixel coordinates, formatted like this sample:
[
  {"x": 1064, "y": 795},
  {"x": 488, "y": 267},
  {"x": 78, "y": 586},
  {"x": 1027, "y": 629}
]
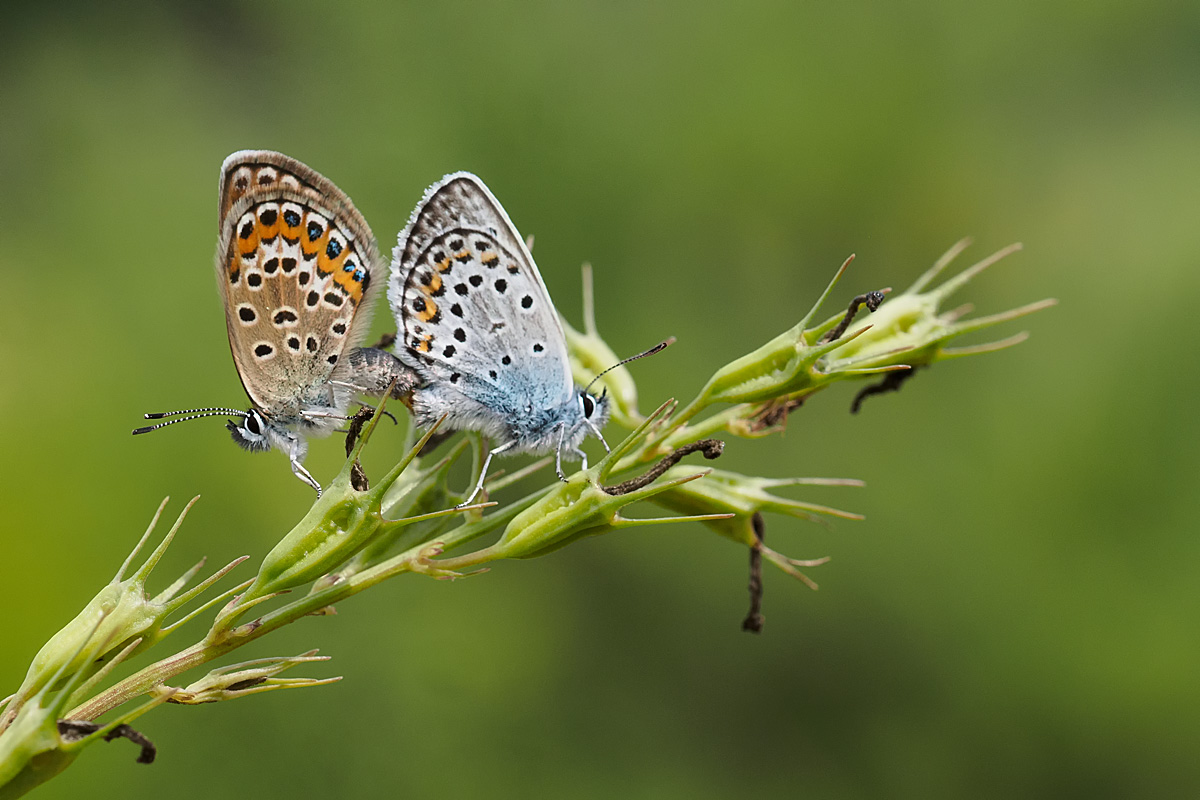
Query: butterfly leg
[
  {"x": 562, "y": 432},
  {"x": 592, "y": 427},
  {"x": 304, "y": 475},
  {"x": 483, "y": 472},
  {"x": 579, "y": 452},
  {"x": 324, "y": 415}
]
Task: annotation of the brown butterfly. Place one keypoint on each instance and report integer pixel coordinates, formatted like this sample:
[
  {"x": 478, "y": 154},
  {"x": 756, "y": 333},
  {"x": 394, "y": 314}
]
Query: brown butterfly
[{"x": 296, "y": 264}]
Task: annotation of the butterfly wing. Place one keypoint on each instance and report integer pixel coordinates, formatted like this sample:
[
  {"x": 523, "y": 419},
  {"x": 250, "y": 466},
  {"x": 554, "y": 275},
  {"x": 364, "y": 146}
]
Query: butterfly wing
[
  {"x": 473, "y": 311},
  {"x": 294, "y": 261}
]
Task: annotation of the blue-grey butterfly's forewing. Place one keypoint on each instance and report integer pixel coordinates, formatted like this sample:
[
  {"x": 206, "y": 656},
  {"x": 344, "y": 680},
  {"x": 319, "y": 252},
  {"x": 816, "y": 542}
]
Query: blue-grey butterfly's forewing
[
  {"x": 477, "y": 324},
  {"x": 471, "y": 307}
]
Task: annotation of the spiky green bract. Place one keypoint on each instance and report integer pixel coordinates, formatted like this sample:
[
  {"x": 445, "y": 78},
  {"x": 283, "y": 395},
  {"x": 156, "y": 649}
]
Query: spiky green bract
[
  {"x": 246, "y": 678},
  {"x": 912, "y": 328},
  {"x": 32, "y": 748},
  {"x": 340, "y": 523},
  {"x": 740, "y": 497},
  {"x": 122, "y": 616}
]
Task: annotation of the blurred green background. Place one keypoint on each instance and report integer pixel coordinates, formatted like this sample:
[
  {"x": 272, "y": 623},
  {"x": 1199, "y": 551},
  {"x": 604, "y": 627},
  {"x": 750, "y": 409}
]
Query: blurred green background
[{"x": 1016, "y": 617}]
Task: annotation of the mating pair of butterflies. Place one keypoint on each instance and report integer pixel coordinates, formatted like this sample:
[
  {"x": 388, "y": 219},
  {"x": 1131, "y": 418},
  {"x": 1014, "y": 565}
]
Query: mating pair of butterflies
[{"x": 479, "y": 340}]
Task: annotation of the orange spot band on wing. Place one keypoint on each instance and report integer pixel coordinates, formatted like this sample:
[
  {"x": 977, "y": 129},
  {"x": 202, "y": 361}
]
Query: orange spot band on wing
[
  {"x": 334, "y": 265},
  {"x": 268, "y": 232},
  {"x": 289, "y": 231},
  {"x": 345, "y": 279},
  {"x": 316, "y": 247},
  {"x": 248, "y": 245},
  {"x": 431, "y": 310}
]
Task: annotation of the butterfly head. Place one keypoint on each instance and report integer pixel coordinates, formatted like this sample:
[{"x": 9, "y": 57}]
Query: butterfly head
[
  {"x": 251, "y": 433},
  {"x": 594, "y": 408}
]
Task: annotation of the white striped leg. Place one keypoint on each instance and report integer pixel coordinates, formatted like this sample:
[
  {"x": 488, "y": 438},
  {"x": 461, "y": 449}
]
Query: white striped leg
[
  {"x": 300, "y": 472},
  {"x": 562, "y": 432},
  {"x": 483, "y": 472}
]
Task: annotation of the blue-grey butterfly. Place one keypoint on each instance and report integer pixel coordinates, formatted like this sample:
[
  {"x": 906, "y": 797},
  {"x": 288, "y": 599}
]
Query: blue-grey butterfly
[
  {"x": 477, "y": 325},
  {"x": 295, "y": 262}
]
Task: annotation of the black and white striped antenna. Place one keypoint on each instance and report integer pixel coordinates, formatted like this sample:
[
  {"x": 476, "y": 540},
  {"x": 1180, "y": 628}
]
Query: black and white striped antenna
[
  {"x": 188, "y": 414},
  {"x": 658, "y": 348}
]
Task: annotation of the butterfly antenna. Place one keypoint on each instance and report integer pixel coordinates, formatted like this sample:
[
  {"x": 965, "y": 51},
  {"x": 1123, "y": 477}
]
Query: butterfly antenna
[
  {"x": 194, "y": 413},
  {"x": 658, "y": 348}
]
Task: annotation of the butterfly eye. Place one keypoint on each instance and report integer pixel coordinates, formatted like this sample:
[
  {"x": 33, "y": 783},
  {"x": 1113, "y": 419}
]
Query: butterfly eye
[
  {"x": 588, "y": 405},
  {"x": 252, "y": 424}
]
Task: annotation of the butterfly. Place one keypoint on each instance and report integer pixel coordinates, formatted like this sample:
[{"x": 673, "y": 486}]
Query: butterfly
[
  {"x": 476, "y": 323},
  {"x": 295, "y": 262}
]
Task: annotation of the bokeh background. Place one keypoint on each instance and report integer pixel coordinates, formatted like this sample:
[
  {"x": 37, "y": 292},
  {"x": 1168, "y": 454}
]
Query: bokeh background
[{"x": 1018, "y": 614}]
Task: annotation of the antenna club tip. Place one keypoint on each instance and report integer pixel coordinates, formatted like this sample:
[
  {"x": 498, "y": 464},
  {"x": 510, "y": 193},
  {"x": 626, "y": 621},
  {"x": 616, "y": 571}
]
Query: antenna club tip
[
  {"x": 670, "y": 340},
  {"x": 147, "y": 429}
]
